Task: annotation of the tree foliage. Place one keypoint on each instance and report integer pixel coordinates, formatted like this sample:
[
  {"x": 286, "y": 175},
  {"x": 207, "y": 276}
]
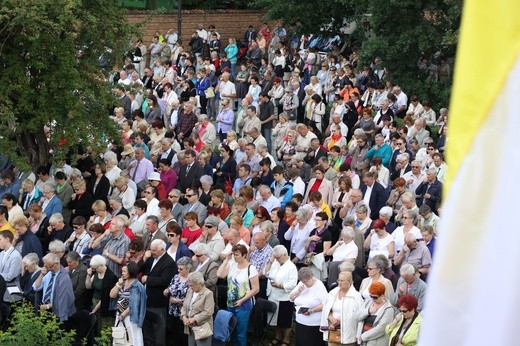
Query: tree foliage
[
  {"x": 399, "y": 31},
  {"x": 50, "y": 57}
]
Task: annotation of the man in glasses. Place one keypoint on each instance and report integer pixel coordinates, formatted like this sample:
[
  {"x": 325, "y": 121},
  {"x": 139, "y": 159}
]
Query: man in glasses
[
  {"x": 401, "y": 165},
  {"x": 414, "y": 177},
  {"x": 192, "y": 196},
  {"x": 174, "y": 196},
  {"x": 410, "y": 283},
  {"x": 210, "y": 237},
  {"x": 56, "y": 286}
]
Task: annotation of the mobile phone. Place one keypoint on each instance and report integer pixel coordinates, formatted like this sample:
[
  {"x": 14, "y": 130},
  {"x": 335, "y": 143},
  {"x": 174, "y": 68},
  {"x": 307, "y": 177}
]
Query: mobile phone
[
  {"x": 303, "y": 310},
  {"x": 324, "y": 328}
]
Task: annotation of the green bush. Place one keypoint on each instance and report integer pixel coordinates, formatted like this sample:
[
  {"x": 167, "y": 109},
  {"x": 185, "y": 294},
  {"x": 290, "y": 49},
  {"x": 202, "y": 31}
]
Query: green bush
[{"x": 28, "y": 328}]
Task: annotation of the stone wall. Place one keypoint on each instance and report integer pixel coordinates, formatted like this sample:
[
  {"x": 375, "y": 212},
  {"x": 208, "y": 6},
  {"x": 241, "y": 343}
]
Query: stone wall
[{"x": 228, "y": 23}]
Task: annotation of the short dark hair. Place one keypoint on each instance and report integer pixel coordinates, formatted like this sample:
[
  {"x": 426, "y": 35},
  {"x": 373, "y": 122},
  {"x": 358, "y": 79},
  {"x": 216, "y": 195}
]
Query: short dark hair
[
  {"x": 8, "y": 235},
  {"x": 278, "y": 170},
  {"x": 60, "y": 176},
  {"x": 265, "y": 161},
  {"x": 165, "y": 162},
  {"x": 140, "y": 204}
]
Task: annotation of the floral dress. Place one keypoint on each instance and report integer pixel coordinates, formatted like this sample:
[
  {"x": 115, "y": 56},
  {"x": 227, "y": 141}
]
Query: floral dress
[{"x": 177, "y": 290}]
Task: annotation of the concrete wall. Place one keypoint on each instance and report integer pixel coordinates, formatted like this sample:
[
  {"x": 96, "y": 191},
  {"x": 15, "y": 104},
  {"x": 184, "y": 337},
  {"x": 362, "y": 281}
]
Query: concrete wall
[{"x": 228, "y": 23}]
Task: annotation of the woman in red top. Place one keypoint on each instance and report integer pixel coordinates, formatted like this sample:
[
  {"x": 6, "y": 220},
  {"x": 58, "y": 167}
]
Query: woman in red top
[{"x": 192, "y": 231}]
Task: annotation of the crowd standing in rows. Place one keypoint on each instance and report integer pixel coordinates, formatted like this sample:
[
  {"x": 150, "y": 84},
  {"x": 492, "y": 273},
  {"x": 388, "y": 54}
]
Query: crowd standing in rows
[{"x": 246, "y": 170}]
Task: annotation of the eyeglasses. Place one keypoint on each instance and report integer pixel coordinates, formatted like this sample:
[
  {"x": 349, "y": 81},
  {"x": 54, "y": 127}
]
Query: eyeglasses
[
  {"x": 76, "y": 226},
  {"x": 198, "y": 256},
  {"x": 400, "y": 143},
  {"x": 170, "y": 234},
  {"x": 173, "y": 196},
  {"x": 208, "y": 226},
  {"x": 374, "y": 297},
  {"x": 147, "y": 192},
  {"x": 368, "y": 268}
]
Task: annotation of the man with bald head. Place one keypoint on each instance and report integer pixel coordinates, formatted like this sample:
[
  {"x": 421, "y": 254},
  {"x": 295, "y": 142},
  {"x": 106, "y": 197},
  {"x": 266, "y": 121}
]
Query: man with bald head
[{"x": 158, "y": 269}]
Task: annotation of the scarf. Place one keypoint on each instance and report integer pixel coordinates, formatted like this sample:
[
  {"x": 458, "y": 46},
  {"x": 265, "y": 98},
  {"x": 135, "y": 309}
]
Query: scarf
[{"x": 334, "y": 139}]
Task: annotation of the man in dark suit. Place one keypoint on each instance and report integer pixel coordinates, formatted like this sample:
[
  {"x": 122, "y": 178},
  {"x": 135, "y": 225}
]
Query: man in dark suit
[
  {"x": 189, "y": 172},
  {"x": 148, "y": 78},
  {"x": 78, "y": 274},
  {"x": 315, "y": 152},
  {"x": 430, "y": 190},
  {"x": 158, "y": 270},
  {"x": 374, "y": 194},
  {"x": 402, "y": 166},
  {"x": 152, "y": 232},
  {"x": 301, "y": 96}
]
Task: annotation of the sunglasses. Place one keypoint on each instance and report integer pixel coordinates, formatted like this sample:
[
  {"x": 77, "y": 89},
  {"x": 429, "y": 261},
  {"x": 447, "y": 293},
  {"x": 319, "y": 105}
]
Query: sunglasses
[
  {"x": 189, "y": 196},
  {"x": 76, "y": 226},
  {"x": 198, "y": 256},
  {"x": 208, "y": 226},
  {"x": 173, "y": 196},
  {"x": 171, "y": 234},
  {"x": 404, "y": 311}
]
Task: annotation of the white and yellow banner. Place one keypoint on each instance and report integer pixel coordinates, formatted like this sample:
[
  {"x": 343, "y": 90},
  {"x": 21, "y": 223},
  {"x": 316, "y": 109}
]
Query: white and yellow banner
[{"x": 473, "y": 293}]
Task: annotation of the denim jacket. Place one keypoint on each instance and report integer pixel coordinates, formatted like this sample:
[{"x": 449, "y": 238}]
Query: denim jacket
[{"x": 137, "y": 303}]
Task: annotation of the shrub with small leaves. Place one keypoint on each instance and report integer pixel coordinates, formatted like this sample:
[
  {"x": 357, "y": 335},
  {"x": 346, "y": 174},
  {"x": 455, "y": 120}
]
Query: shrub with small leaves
[{"x": 28, "y": 328}]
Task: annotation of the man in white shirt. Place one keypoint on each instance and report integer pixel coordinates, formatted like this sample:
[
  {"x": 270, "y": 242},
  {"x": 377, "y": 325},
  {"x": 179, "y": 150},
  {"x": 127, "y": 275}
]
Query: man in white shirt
[
  {"x": 440, "y": 166},
  {"x": 226, "y": 88},
  {"x": 402, "y": 100},
  {"x": 415, "y": 177},
  {"x": 268, "y": 201}
]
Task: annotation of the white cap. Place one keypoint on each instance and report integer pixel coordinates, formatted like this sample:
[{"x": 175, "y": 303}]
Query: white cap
[{"x": 154, "y": 176}]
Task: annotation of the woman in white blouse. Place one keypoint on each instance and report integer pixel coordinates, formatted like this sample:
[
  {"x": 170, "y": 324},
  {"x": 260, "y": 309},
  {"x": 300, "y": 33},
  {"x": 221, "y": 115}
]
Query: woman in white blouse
[
  {"x": 308, "y": 296},
  {"x": 282, "y": 278},
  {"x": 345, "y": 249},
  {"x": 298, "y": 234}
]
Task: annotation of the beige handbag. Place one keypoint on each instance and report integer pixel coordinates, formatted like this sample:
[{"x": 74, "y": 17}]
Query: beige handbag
[
  {"x": 210, "y": 93},
  {"x": 202, "y": 332}
]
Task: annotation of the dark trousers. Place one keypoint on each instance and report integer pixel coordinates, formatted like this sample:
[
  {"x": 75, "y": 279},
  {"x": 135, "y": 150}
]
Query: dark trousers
[{"x": 155, "y": 330}]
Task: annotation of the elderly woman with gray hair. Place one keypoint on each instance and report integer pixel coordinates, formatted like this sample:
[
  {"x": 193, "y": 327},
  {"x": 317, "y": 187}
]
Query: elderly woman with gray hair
[
  {"x": 176, "y": 291},
  {"x": 345, "y": 250},
  {"x": 100, "y": 279},
  {"x": 283, "y": 277},
  {"x": 308, "y": 297},
  {"x": 197, "y": 311},
  {"x": 298, "y": 234},
  {"x": 376, "y": 267}
]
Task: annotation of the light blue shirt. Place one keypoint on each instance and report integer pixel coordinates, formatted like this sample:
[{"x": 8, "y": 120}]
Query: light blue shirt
[{"x": 45, "y": 283}]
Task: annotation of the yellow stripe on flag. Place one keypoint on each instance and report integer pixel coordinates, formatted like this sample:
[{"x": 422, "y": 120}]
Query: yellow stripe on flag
[{"x": 488, "y": 47}]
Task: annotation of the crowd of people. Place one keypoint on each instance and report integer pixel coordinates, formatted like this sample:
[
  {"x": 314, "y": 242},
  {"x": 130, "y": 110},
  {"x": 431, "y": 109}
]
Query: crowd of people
[{"x": 297, "y": 177}]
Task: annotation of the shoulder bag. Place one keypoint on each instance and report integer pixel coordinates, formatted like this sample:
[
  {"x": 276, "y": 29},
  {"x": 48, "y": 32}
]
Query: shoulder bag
[{"x": 120, "y": 335}]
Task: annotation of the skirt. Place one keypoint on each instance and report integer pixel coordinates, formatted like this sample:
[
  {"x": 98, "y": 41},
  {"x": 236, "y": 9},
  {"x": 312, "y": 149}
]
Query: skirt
[{"x": 285, "y": 314}]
